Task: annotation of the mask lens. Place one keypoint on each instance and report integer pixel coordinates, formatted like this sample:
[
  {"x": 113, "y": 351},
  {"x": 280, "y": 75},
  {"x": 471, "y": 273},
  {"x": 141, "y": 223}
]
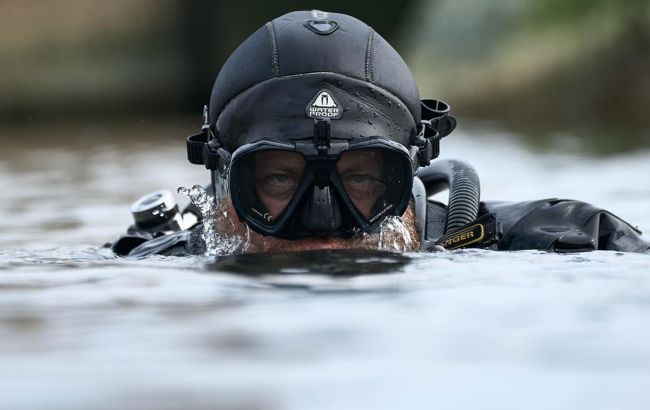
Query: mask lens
[
  {"x": 374, "y": 179},
  {"x": 324, "y": 195},
  {"x": 267, "y": 181}
]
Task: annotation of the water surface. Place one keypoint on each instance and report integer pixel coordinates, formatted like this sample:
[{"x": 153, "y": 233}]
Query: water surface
[{"x": 82, "y": 329}]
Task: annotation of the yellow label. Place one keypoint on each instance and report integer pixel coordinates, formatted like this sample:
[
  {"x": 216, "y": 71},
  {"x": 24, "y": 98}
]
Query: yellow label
[{"x": 467, "y": 236}]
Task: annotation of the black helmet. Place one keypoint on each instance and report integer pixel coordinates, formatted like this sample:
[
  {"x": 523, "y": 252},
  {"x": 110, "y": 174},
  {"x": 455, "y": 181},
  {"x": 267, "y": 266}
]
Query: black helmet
[{"x": 322, "y": 86}]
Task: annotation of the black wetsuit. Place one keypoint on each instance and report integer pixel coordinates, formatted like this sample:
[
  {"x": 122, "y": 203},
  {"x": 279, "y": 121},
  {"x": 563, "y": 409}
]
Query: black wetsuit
[{"x": 558, "y": 225}]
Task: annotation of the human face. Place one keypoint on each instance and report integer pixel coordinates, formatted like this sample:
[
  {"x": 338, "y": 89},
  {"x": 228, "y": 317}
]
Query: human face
[{"x": 405, "y": 239}]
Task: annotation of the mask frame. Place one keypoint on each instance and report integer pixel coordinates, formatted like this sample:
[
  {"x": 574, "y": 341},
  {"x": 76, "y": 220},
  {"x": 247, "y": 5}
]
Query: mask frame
[{"x": 321, "y": 156}]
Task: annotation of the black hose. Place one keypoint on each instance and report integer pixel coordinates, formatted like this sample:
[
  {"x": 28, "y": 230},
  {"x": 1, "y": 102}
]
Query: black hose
[{"x": 464, "y": 189}]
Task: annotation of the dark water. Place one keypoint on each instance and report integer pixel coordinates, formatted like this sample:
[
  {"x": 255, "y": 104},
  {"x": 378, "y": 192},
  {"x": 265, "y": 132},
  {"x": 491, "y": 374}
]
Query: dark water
[{"x": 82, "y": 329}]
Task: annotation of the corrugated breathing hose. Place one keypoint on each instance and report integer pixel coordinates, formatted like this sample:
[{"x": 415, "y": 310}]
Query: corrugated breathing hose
[{"x": 464, "y": 189}]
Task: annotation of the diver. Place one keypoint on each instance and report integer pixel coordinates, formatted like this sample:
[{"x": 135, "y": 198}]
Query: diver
[{"x": 316, "y": 138}]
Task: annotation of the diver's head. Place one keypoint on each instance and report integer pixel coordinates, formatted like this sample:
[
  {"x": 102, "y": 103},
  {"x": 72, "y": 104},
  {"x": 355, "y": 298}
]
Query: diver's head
[{"x": 315, "y": 128}]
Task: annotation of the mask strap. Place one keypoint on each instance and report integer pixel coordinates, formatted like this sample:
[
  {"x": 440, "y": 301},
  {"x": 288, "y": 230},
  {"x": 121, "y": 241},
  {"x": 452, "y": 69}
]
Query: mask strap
[{"x": 204, "y": 148}]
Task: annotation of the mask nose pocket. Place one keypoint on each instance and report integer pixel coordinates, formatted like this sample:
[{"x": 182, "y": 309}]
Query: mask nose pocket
[{"x": 320, "y": 212}]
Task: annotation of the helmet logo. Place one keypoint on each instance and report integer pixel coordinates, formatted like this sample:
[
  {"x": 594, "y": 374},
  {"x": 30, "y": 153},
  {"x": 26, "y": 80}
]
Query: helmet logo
[
  {"x": 324, "y": 100},
  {"x": 323, "y": 105}
]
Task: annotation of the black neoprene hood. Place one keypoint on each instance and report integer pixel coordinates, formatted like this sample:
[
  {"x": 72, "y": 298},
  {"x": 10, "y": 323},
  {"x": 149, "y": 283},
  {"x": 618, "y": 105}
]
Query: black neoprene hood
[{"x": 264, "y": 90}]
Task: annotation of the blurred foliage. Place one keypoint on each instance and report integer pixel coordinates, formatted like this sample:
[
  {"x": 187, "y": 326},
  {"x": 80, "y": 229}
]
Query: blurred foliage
[
  {"x": 558, "y": 11},
  {"x": 544, "y": 69}
]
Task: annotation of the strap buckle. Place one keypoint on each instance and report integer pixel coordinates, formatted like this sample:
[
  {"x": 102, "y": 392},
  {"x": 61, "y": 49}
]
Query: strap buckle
[
  {"x": 205, "y": 149},
  {"x": 195, "y": 144}
]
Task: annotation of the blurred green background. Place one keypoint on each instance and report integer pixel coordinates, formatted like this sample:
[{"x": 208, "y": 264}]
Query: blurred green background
[{"x": 548, "y": 70}]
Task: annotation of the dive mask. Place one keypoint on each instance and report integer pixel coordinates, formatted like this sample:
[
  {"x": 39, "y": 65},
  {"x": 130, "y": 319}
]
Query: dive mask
[{"x": 321, "y": 185}]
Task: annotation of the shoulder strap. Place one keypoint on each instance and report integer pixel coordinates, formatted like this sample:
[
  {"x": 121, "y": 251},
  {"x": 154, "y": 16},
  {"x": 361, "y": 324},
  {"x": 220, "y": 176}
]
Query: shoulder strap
[{"x": 479, "y": 233}]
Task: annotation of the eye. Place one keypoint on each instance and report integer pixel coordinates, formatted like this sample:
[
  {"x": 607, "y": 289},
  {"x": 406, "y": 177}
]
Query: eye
[
  {"x": 356, "y": 178},
  {"x": 360, "y": 179},
  {"x": 279, "y": 178},
  {"x": 363, "y": 186},
  {"x": 283, "y": 179},
  {"x": 277, "y": 184}
]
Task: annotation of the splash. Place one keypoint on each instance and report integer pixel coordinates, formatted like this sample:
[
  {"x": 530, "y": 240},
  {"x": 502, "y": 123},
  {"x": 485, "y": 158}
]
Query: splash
[
  {"x": 216, "y": 243},
  {"x": 223, "y": 235},
  {"x": 393, "y": 235}
]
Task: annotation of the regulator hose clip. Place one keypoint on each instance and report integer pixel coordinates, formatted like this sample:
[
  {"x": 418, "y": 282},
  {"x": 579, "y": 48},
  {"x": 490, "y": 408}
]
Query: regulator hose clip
[{"x": 436, "y": 124}]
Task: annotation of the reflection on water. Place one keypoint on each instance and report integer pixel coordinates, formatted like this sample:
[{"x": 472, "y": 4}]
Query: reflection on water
[
  {"x": 325, "y": 262},
  {"x": 82, "y": 329}
]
